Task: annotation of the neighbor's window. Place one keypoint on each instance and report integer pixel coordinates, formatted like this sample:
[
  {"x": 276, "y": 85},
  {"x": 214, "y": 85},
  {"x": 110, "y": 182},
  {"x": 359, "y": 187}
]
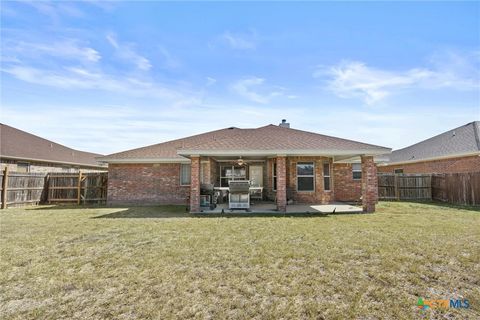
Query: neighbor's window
[
  {"x": 305, "y": 176},
  {"x": 398, "y": 171},
  {"x": 274, "y": 175},
  {"x": 357, "y": 171},
  {"x": 185, "y": 174},
  {"x": 23, "y": 167},
  {"x": 326, "y": 176}
]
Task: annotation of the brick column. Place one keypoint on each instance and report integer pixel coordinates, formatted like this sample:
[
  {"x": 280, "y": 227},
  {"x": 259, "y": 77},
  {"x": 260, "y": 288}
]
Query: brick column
[
  {"x": 195, "y": 184},
  {"x": 369, "y": 184},
  {"x": 282, "y": 183}
]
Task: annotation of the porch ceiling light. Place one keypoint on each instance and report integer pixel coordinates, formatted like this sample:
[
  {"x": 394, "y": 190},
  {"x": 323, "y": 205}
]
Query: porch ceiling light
[{"x": 240, "y": 161}]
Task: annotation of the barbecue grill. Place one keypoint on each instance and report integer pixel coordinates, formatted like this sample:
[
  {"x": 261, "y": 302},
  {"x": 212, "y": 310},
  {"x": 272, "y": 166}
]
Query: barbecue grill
[{"x": 239, "y": 194}]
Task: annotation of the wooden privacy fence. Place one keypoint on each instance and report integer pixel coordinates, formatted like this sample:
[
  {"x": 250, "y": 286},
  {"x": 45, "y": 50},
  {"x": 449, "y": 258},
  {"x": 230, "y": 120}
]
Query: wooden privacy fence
[
  {"x": 457, "y": 188},
  {"x": 21, "y": 188},
  {"x": 454, "y": 188},
  {"x": 34, "y": 188},
  {"x": 79, "y": 188},
  {"x": 404, "y": 187}
]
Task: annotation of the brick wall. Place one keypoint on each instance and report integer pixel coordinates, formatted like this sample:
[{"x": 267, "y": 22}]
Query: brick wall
[
  {"x": 195, "y": 184},
  {"x": 369, "y": 184},
  {"x": 281, "y": 183},
  {"x": 346, "y": 188},
  {"x": 146, "y": 184},
  {"x": 453, "y": 165},
  {"x": 317, "y": 196}
]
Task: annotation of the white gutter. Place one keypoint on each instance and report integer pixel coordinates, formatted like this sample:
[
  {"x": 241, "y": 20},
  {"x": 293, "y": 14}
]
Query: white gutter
[
  {"x": 145, "y": 160},
  {"x": 298, "y": 152},
  {"x": 53, "y": 161},
  {"x": 458, "y": 155}
]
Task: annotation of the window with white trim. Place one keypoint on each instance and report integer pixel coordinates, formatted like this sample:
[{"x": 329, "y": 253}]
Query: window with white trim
[
  {"x": 326, "y": 176},
  {"x": 185, "y": 174},
  {"x": 357, "y": 171},
  {"x": 305, "y": 176},
  {"x": 398, "y": 171}
]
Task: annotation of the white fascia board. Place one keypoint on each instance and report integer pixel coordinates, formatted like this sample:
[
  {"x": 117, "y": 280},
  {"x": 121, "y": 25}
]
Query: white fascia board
[
  {"x": 146, "y": 160},
  {"x": 328, "y": 153},
  {"x": 451, "y": 156}
]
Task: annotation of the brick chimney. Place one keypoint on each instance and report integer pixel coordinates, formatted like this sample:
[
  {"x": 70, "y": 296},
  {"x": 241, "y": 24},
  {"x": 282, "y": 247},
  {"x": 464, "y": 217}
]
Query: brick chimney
[{"x": 284, "y": 124}]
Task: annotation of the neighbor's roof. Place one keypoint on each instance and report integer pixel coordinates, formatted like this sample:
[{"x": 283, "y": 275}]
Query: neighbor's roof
[
  {"x": 460, "y": 141},
  {"x": 269, "y": 139},
  {"x": 21, "y": 145}
]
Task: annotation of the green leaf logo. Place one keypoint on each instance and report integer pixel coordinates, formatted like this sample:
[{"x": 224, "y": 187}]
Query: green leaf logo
[{"x": 420, "y": 302}]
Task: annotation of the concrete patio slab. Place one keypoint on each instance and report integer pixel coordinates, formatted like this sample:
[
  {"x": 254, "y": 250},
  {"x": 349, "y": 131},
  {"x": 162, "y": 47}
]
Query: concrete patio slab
[{"x": 270, "y": 207}]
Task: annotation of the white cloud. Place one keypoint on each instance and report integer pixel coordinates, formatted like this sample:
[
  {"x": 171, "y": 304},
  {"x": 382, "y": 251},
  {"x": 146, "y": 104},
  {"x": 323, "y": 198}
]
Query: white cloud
[
  {"x": 244, "y": 88},
  {"x": 80, "y": 78},
  {"x": 167, "y": 60},
  {"x": 241, "y": 41},
  {"x": 66, "y": 49},
  {"x": 356, "y": 79},
  {"x": 211, "y": 81},
  {"x": 254, "y": 89},
  {"x": 126, "y": 52}
]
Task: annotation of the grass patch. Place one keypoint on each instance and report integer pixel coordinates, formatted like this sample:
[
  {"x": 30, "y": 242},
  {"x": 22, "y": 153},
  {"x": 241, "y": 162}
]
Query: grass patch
[{"x": 67, "y": 262}]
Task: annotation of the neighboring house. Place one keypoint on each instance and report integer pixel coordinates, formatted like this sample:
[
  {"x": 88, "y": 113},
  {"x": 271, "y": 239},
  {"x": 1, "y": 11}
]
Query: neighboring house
[
  {"x": 291, "y": 165},
  {"x": 21, "y": 151},
  {"x": 457, "y": 150}
]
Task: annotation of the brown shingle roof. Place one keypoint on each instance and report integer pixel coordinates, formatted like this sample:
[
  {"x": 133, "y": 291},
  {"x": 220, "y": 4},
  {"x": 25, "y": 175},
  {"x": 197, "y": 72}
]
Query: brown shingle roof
[
  {"x": 280, "y": 138},
  {"x": 458, "y": 141},
  {"x": 266, "y": 138},
  {"x": 18, "y": 144}
]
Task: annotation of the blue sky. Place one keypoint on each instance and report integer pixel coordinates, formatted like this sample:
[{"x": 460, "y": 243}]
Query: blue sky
[{"x": 110, "y": 76}]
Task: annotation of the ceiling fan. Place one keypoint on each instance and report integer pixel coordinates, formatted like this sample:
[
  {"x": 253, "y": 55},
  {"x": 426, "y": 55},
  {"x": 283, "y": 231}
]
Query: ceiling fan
[{"x": 240, "y": 161}]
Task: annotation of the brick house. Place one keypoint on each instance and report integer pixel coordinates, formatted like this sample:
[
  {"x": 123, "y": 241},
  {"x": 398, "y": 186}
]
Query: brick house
[
  {"x": 291, "y": 166},
  {"x": 454, "y": 151},
  {"x": 21, "y": 151}
]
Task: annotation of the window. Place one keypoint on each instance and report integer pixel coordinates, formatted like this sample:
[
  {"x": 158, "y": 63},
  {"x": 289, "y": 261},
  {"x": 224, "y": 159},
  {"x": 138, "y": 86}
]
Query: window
[
  {"x": 23, "y": 167},
  {"x": 274, "y": 175},
  {"x": 398, "y": 171},
  {"x": 305, "y": 176},
  {"x": 230, "y": 172},
  {"x": 326, "y": 176},
  {"x": 185, "y": 174},
  {"x": 357, "y": 171}
]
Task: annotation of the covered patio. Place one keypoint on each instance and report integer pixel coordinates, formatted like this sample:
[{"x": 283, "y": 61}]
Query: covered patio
[{"x": 286, "y": 183}]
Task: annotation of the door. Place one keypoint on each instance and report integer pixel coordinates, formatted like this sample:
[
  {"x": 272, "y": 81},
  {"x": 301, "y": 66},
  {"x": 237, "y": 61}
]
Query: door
[{"x": 256, "y": 175}]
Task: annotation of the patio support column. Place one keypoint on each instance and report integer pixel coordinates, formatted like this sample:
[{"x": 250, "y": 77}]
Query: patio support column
[
  {"x": 282, "y": 183},
  {"x": 195, "y": 184},
  {"x": 369, "y": 184}
]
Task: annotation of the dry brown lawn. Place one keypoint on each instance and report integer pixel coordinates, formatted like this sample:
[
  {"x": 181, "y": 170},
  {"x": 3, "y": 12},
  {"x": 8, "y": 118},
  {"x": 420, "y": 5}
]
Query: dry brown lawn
[{"x": 160, "y": 263}]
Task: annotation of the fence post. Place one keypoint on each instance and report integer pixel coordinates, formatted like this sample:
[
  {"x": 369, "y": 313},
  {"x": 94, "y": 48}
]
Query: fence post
[
  {"x": 79, "y": 187},
  {"x": 4, "y": 187}
]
